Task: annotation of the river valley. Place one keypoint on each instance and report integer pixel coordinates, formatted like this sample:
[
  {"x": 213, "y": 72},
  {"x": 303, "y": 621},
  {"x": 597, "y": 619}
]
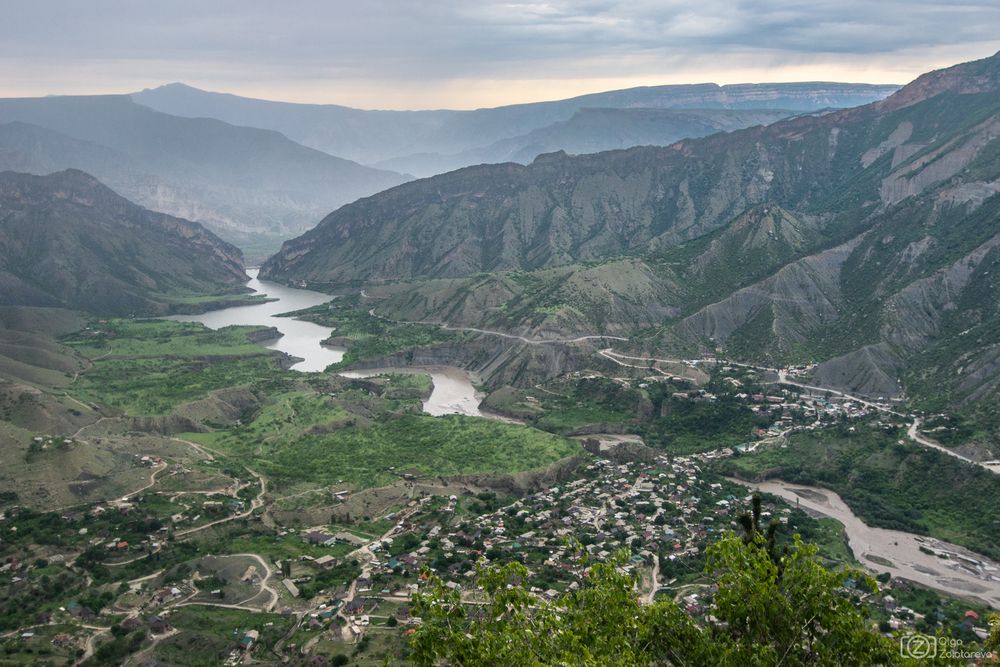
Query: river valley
[
  {"x": 453, "y": 391},
  {"x": 933, "y": 563}
]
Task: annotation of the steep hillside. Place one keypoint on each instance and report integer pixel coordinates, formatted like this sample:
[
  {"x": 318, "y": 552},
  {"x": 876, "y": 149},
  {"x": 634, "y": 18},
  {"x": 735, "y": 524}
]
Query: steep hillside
[
  {"x": 428, "y": 140},
  {"x": 238, "y": 180},
  {"x": 864, "y": 239},
  {"x": 67, "y": 240},
  {"x": 844, "y": 165}
]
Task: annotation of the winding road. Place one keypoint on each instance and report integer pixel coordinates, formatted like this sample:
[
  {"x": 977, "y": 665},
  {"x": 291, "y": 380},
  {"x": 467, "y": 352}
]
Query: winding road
[
  {"x": 255, "y": 504},
  {"x": 265, "y": 586},
  {"x": 914, "y": 433},
  {"x": 530, "y": 341}
]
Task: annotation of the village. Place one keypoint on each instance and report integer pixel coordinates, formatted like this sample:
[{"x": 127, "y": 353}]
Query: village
[{"x": 347, "y": 586}]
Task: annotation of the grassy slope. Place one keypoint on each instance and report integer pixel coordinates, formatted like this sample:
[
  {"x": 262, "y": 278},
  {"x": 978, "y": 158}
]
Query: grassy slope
[
  {"x": 368, "y": 337},
  {"x": 365, "y": 456},
  {"x": 150, "y": 367}
]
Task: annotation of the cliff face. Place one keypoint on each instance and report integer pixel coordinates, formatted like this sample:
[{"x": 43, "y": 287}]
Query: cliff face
[{"x": 67, "y": 240}]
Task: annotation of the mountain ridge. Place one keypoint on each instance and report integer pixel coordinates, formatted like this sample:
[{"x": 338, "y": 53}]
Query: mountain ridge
[
  {"x": 66, "y": 240},
  {"x": 861, "y": 239},
  {"x": 379, "y": 136}
]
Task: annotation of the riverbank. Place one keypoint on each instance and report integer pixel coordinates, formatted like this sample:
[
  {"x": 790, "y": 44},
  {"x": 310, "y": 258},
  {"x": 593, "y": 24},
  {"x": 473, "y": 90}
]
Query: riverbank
[
  {"x": 453, "y": 392},
  {"x": 298, "y": 338},
  {"x": 930, "y": 562}
]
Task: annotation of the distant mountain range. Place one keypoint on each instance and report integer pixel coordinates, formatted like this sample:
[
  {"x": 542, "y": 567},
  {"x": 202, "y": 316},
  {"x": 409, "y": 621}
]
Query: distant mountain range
[
  {"x": 867, "y": 239},
  {"x": 592, "y": 131},
  {"x": 430, "y": 142},
  {"x": 228, "y": 162},
  {"x": 67, "y": 240},
  {"x": 247, "y": 184}
]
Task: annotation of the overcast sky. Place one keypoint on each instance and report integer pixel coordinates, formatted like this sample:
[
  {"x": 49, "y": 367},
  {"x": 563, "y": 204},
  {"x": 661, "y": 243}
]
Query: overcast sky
[{"x": 408, "y": 54}]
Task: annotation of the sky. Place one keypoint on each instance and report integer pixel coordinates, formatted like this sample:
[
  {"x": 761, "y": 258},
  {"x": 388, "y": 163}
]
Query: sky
[{"x": 418, "y": 54}]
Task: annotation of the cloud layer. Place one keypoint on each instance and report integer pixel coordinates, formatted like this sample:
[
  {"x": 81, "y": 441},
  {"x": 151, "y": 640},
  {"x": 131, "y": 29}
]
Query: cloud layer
[{"x": 398, "y": 53}]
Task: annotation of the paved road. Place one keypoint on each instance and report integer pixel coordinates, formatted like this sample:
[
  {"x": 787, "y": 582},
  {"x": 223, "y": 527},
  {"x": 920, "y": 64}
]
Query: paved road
[{"x": 914, "y": 432}]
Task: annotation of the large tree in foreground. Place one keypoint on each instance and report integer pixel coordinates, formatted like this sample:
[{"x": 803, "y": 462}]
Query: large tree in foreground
[{"x": 794, "y": 612}]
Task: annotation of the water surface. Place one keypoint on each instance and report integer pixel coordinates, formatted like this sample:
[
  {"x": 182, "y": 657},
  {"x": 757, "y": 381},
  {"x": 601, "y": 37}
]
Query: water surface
[
  {"x": 453, "y": 392},
  {"x": 951, "y": 568},
  {"x": 301, "y": 339}
]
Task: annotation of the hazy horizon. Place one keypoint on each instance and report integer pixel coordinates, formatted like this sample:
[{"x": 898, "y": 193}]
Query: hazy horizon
[{"x": 392, "y": 55}]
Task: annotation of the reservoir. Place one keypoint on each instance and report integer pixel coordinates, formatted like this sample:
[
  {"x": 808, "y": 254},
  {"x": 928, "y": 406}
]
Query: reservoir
[{"x": 301, "y": 339}]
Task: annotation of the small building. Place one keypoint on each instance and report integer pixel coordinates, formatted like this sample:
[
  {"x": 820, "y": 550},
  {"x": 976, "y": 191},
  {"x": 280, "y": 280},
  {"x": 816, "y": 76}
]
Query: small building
[
  {"x": 158, "y": 625},
  {"x": 249, "y": 638}
]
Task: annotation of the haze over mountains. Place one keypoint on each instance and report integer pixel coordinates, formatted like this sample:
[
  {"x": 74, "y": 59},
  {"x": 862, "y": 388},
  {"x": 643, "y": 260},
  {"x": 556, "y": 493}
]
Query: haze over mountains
[
  {"x": 429, "y": 142},
  {"x": 66, "y": 240},
  {"x": 245, "y": 183},
  {"x": 228, "y": 163},
  {"x": 865, "y": 238}
]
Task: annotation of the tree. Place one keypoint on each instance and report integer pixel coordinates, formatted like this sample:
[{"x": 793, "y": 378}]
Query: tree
[
  {"x": 799, "y": 617},
  {"x": 750, "y": 523},
  {"x": 993, "y": 641},
  {"x": 792, "y": 612}
]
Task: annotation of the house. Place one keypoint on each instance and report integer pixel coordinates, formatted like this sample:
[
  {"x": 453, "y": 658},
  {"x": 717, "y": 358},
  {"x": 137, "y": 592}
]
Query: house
[
  {"x": 132, "y": 623},
  {"x": 359, "y": 605},
  {"x": 324, "y": 561},
  {"x": 158, "y": 625},
  {"x": 249, "y": 639},
  {"x": 292, "y": 588},
  {"x": 319, "y": 538}
]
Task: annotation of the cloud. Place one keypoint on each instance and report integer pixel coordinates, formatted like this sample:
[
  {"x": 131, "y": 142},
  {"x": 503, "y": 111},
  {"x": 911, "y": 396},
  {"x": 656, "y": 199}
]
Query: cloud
[{"x": 317, "y": 49}]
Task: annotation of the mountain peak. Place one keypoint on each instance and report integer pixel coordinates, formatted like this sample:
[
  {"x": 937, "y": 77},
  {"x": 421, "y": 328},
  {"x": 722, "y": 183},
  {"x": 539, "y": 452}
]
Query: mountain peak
[
  {"x": 175, "y": 86},
  {"x": 554, "y": 156},
  {"x": 977, "y": 76}
]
